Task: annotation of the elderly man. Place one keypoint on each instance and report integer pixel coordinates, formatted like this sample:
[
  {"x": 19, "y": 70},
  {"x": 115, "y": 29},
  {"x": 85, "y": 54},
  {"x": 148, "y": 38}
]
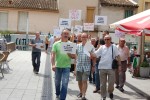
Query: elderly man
[
  {"x": 105, "y": 66},
  {"x": 61, "y": 64},
  {"x": 83, "y": 66},
  {"x": 124, "y": 54},
  {"x": 36, "y": 52}
]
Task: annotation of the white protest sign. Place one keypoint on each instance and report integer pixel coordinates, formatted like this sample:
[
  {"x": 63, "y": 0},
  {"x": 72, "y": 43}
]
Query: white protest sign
[
  {"x": 39, "y": 45},
  {"x": 66, "y": 23},
  {"x": 57, "y": 32},
  {"x": 88, "y": 48},
  {"x": 88, "y": 26},
  {"x": 68, "y": 47},
  {"x": 78, "y": 28},
  {"x": 100, "y": 20},
  {"x": 75, "y": 14}
]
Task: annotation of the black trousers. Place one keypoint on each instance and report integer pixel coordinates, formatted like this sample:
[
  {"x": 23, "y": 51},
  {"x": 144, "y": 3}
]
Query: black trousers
[{"x": 36, "y": 60}]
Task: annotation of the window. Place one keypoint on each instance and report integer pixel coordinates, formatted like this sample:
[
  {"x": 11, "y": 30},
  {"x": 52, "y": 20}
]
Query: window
[
  {"x": 90, "y": 14},
  {"x": 3, "y": 21},
  {"x": 128, "y": 13},
  {"x": 147, "y": 5},
  {"x": 22, "y": 23}
]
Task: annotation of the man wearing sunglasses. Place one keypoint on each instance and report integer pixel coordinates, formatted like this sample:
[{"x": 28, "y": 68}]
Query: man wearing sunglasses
[{"x": 105, "y": 66}]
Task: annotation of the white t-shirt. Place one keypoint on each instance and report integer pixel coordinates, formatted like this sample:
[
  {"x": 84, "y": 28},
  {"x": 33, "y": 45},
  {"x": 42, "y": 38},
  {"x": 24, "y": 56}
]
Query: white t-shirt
[
  {"x": 51, "y": 41},
  {"x": 106, "y": 56}
]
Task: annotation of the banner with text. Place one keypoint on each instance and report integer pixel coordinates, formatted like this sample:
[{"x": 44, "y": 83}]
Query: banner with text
[
  {"x": 88, "y": 26},
  {"x": 100, "y": 20},
  {"x": 66, "y": 23}
]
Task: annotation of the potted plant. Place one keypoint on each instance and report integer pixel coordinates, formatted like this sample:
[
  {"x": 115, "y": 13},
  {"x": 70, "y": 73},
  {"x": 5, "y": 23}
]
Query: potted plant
[{"x": 144, "y": 69}]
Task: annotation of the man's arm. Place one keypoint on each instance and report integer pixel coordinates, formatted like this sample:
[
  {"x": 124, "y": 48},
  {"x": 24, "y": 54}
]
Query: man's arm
[
  {"x": 32, "y": 45},
  {"x": 53, "y": 61},
  {"x": 72, "y": 56}
]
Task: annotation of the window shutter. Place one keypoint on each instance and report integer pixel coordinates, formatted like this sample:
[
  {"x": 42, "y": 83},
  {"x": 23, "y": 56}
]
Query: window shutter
[
  {"x": 22, "y": 23},
  {"x": 3, "y": 21}
]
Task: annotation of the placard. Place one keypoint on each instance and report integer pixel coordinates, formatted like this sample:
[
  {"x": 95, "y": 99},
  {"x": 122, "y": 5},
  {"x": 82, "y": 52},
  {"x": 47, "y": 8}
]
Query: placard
[
  {"x": 88, "y": 48},
  {"x": 68, "y": 47},
  {"x": 39, "y": 45},
  {"x": 100, "y": 20},
  {"x": 57, "y": 32},
  {"x": 75, "y": 14},
  {"x": 66, "y": 23},
  {"x": 88, "y": 26}
]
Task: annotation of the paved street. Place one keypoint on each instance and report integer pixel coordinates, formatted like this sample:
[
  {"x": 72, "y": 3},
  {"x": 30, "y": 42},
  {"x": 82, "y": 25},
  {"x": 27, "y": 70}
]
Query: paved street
[{"x": 22, "y": 84}]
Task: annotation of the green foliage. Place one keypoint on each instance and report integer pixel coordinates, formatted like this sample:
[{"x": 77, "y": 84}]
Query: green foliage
[
  {"x": 5, "y": 32},
  {"x": 144, "y": 64}
]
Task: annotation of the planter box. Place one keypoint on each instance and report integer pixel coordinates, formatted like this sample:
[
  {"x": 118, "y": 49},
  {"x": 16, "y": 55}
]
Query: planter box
[{"x": 144, "y": 71}]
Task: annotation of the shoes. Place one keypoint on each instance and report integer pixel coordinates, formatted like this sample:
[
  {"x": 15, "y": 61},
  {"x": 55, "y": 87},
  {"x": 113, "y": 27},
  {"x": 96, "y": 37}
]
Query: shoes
[
  {"x": 36, "y": 72},
  {"x": 121, "y": 89},
  {"x": 111, "y": 95},
  {"x": 79, "y": 95},
  {"x": 104, "y": 98},
  {"x": 57, "y": 97},
  {"x": 83, "y": 98},
  {"x": 96, "y": 91},
  {"x": 117, "y": 86}
]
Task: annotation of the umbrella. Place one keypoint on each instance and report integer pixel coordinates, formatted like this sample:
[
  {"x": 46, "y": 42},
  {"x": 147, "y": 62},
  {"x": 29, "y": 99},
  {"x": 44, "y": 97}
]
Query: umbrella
[{"x": 138, "y": 24}]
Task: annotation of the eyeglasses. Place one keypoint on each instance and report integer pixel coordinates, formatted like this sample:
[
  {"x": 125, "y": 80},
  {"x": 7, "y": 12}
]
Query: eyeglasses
[{"x": 106, "y": 39}]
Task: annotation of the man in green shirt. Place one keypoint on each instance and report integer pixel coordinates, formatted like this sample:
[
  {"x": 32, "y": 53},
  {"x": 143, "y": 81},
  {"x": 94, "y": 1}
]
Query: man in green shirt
[{"x": 61, "y": 64}]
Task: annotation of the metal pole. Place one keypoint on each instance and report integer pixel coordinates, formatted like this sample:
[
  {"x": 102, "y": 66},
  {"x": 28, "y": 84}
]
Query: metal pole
[{"x": 27, "y": 32}]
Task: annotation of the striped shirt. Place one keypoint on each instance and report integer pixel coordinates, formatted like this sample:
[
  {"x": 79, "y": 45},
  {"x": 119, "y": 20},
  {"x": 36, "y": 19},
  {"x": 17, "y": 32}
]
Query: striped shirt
[{"x": 83, "y": 61}]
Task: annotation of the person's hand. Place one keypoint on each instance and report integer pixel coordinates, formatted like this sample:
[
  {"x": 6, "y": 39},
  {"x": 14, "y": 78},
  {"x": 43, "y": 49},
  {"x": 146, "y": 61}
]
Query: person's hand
[
  {"x": 54, "y": 68},
  {"x": 93, "y": 69},
  {"x": 72, "y": 56},
  {"x": 42, "y": 46},
  {"x": 33, "y": 45}
]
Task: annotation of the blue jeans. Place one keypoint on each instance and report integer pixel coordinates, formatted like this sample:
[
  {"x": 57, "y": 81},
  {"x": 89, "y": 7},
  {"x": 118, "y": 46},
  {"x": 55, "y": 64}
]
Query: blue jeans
[
  {"x": 97, "y": 78},
  {"x": 36, "y": 60},
  {"x": 61, "y": 82}
]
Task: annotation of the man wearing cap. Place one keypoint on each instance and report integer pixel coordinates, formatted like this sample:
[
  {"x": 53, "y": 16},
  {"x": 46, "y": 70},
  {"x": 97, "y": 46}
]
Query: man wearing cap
[
  {"x": 37, "y": 45},
  {"x": 124, "y": 54}
]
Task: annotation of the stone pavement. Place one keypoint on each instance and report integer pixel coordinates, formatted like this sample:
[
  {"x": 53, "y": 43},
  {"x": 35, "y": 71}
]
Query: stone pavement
[{"x": 22, "y": 84}]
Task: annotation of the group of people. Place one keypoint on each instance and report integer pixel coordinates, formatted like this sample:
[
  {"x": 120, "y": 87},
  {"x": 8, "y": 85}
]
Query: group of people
[{"x": 102, "y": 53}]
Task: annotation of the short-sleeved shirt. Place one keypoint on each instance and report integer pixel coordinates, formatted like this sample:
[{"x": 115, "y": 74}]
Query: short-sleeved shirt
[
  {"x": 34, "y": 41},
  {"x": 106, "y": 56},
  {"x": 83, "y": 61},
  {"x": 61, "y": 60},
  {"x": 124, "y": 53}
]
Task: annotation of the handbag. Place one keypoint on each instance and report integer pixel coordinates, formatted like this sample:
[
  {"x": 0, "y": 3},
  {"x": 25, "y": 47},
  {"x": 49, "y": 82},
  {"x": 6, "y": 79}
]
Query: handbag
[{"x": 114, "y": 62}]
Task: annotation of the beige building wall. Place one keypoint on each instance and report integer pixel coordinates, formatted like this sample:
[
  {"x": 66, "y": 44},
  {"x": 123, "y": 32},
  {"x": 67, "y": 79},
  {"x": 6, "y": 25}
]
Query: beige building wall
[
  {"x": 141, "y": 4},
  {"x": 38, "y": 20},
  {"x": 113, "y": 14},
  {"x": 42, "y": 21},
  {"x": 66, "y": 5}
]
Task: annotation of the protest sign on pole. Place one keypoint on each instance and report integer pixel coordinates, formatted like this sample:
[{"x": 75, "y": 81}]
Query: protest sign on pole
[
  {"x": 75, "y": 14},
  {"x": 57, "y": 32},
  {"x": 88, "y": 26},
  {"x": 66, "y": 23},
  {"x": 100, "y": 20}
]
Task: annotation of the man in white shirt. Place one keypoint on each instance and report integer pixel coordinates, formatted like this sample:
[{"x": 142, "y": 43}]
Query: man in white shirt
[
  {"x": 124, "y": 54},
  {"x": 51, "y": 42},
  {"x": 105, "y": 66}
]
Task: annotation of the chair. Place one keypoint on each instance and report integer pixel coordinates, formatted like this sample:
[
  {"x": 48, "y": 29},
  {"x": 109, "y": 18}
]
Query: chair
[
  {"x": 2, "y": 56},
  {"x": 5, "y": 61}
]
